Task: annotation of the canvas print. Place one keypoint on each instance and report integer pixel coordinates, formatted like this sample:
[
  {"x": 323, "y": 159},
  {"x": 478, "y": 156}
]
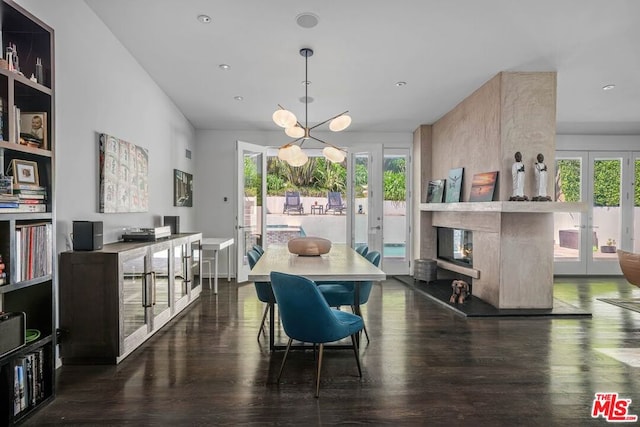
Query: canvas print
[
  {"x": 182, "y": 188},
  {"x": 483, "y": 186},
  {"x": 454, "y": 185},
  {"x": 124, "y": 176},
  {"x": 435, "y": 191}
]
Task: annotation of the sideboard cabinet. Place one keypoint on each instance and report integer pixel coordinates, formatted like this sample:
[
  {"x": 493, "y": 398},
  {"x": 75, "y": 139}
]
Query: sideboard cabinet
[{"x": 113, "y": 299}]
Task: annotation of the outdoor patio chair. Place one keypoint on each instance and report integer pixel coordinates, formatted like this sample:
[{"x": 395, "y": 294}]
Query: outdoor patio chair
[
  {"x": 335, "y": 203},
  {"x": 292, "y": 203}
]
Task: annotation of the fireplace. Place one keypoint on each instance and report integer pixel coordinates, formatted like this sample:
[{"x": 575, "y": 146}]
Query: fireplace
[{"x": 456, "y": 246}]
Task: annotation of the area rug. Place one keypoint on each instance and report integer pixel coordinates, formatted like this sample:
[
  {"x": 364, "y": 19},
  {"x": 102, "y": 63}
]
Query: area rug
[
  {"x": 628, "y": 303},
  {"x": 629, "y": 356},
  {"x": 440, "y": 292}
]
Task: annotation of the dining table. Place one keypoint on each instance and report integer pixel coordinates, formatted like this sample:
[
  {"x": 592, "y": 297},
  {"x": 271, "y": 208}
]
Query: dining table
[{"x": 341, "y": 263}]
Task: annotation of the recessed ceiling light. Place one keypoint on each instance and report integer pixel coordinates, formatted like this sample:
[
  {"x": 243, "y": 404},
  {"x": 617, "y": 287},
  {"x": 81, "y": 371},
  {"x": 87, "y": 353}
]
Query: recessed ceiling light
[
  {"x": 238, "y": 98},
  {"x": 307, "y": 20},
  {"x": 608, "y": 87},
  {"x": 224, "y": 67},
  {"x": 399, "y": 84},
  {"x": 204, "y": 19}
]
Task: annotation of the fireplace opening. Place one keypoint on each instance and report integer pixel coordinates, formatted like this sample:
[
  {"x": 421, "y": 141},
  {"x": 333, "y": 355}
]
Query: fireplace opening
[{"x": 455, "y": 245}]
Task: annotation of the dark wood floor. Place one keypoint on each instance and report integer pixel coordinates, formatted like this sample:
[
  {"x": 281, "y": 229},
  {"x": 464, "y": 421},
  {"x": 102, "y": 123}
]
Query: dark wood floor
[{"x": 425, "y": 365}]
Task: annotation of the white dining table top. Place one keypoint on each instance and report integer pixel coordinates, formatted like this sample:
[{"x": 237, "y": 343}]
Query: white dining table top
[
  {"x": 216, "y": 243},
  {"x": 341, "y": 263}
]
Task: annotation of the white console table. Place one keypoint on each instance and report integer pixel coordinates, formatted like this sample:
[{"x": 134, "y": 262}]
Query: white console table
[{"x": 215, "y": 244}]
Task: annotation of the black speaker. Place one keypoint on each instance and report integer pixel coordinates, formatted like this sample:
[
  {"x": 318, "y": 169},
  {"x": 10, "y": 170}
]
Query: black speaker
[
  {"x": 12, "y": 331},
  {"x": 174, "y": 223},
  {"x": 87, "y": 235}
]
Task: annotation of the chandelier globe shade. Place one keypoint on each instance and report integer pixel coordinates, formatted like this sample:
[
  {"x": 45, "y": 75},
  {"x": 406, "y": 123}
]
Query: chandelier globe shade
[
  {"x": 294, "y": 131},
  {"x": 291, "y": 152},
  {"x": 288, "y": 152},
  {"x": 298, "y": 159},
  {"x": 284, "y": 118},
  {"x": 334, "y": 154},
  {"x": 340, "y": 123}
]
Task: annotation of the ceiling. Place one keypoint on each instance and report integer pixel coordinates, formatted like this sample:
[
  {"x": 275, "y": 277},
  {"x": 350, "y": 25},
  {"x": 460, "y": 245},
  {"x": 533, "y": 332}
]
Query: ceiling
[{"x": 443, "y": 50}]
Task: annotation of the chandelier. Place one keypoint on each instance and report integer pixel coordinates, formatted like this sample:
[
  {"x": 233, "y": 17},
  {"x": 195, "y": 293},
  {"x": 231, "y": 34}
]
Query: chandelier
[{"x": 291, "y": 152}]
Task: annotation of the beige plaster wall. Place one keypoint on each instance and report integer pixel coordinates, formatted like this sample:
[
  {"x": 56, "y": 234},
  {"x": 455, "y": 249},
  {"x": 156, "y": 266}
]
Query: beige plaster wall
[
  {"x": 528, "y": 125},
  {"x": 469, "y": 136}
]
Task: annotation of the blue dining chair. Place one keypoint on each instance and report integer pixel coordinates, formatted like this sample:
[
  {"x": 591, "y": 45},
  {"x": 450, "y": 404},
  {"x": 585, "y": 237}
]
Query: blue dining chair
[
  {"x": 263, "y": 289},
  {"x": 362, "y": 249},
  {"x": 343, "y": 293},
  {"x": 307, "y": 317},
  {"x": 258, "y": 249}
]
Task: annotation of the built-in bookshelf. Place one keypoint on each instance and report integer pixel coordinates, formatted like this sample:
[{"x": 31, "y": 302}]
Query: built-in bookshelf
[{"x": 27, "y": 214}]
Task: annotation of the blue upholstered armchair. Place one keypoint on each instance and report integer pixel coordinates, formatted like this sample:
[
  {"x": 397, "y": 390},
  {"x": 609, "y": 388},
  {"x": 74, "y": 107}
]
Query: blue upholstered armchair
[
  {"x": 263, "y": 289},
  {"x": 343, "y": 293},
  {"x": 307, "y": 317}
]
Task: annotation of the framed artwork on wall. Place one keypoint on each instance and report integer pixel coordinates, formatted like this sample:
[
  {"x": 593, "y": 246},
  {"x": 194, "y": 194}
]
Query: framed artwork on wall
[
  {"x": 124, "y": 176},
  {"x": 454, "y": 185},
  {"x": 435, "y": 191},
  {"x": 182, "y": 188},
  {"x": 483, "y": 187}
]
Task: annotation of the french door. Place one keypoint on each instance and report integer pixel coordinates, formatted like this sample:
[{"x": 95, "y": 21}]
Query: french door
[
  {"x": 379, "y": 220},
  {"x": 250, "y": 215},
  {"x": 364, "y": 190},
  {"x": 586, "y": 243}
]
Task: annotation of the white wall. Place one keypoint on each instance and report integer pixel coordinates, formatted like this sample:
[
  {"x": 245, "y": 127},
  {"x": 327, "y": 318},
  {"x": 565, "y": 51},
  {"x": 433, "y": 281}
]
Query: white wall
[{"x": 100, "y": 87}]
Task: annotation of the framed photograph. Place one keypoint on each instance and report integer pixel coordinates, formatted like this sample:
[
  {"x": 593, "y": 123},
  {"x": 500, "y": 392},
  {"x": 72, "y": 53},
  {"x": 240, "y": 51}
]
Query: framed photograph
[
  {"x": 25, "y": 172},
  {"x": 454, "y": 185},
  {"x": 33, "y": 129},
  {"x": 435, "y": 191},
  {"x": 483, "y": 186},
  {"x": 182, "y": 188}
]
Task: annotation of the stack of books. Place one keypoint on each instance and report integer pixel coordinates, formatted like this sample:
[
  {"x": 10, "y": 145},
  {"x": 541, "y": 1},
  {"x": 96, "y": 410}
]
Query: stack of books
[{"x": 30, "y": 198}]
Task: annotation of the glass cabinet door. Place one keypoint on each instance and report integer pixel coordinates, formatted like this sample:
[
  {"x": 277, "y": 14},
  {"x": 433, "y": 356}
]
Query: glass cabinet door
[
  {"x": 180, "y": 272},
  {"x": 195, "y": 265},
  {"x": 134, "y": 295},
  {"x": 160, "y": 261}
]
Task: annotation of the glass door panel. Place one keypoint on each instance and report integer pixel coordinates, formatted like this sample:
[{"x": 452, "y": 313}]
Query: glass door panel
[
  {"x": 251, "y": 185},
  {"x": 194, "y": 267},
  {"x": 179, "y": 272},
  {"x": 395, "y": 169},
  {"x": 134, "y": 295},
  {"x": 160, "y": 270},
  {"x": 606, "y": 206},
  {"x": 569, "y": 244},
  {"x": 365, "y": 196}
]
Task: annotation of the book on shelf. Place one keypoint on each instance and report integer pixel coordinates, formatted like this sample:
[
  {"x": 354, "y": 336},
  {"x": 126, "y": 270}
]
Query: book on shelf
[
  {"x": 33, "y": 251},
  {"x": 25, "y": 208},
  {"x": 9, "y": 204},
  {"x": 29, "y": 196},
  {"x": 28, "y": 380}
]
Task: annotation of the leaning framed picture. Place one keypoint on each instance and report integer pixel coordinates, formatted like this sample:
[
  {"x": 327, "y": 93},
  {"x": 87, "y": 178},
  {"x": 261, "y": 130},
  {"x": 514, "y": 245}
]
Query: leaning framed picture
[
  {"x": 483, "y": 186},
  {"x": 25, "y": 172},
  {"x": 182, "y": 188},
  {"x": 435, "y": 190},
  {"x": 454, "y": 185},
  {"x": 33, "y": 129}
]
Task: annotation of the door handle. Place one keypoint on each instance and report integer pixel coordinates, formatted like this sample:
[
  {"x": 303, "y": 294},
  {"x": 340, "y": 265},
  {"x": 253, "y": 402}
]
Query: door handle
[{"x": 377, "y": 227}]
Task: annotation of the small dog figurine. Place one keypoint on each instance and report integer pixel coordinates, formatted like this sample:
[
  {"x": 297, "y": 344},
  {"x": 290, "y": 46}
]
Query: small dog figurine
[{"x": 460, "y": 291}]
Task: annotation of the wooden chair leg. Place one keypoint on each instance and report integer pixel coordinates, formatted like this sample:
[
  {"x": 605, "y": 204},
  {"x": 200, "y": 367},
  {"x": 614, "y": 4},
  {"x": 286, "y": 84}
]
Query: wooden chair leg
[
  {"x": 319, "y": 368},
  {"x": 284, "y": 359}
]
